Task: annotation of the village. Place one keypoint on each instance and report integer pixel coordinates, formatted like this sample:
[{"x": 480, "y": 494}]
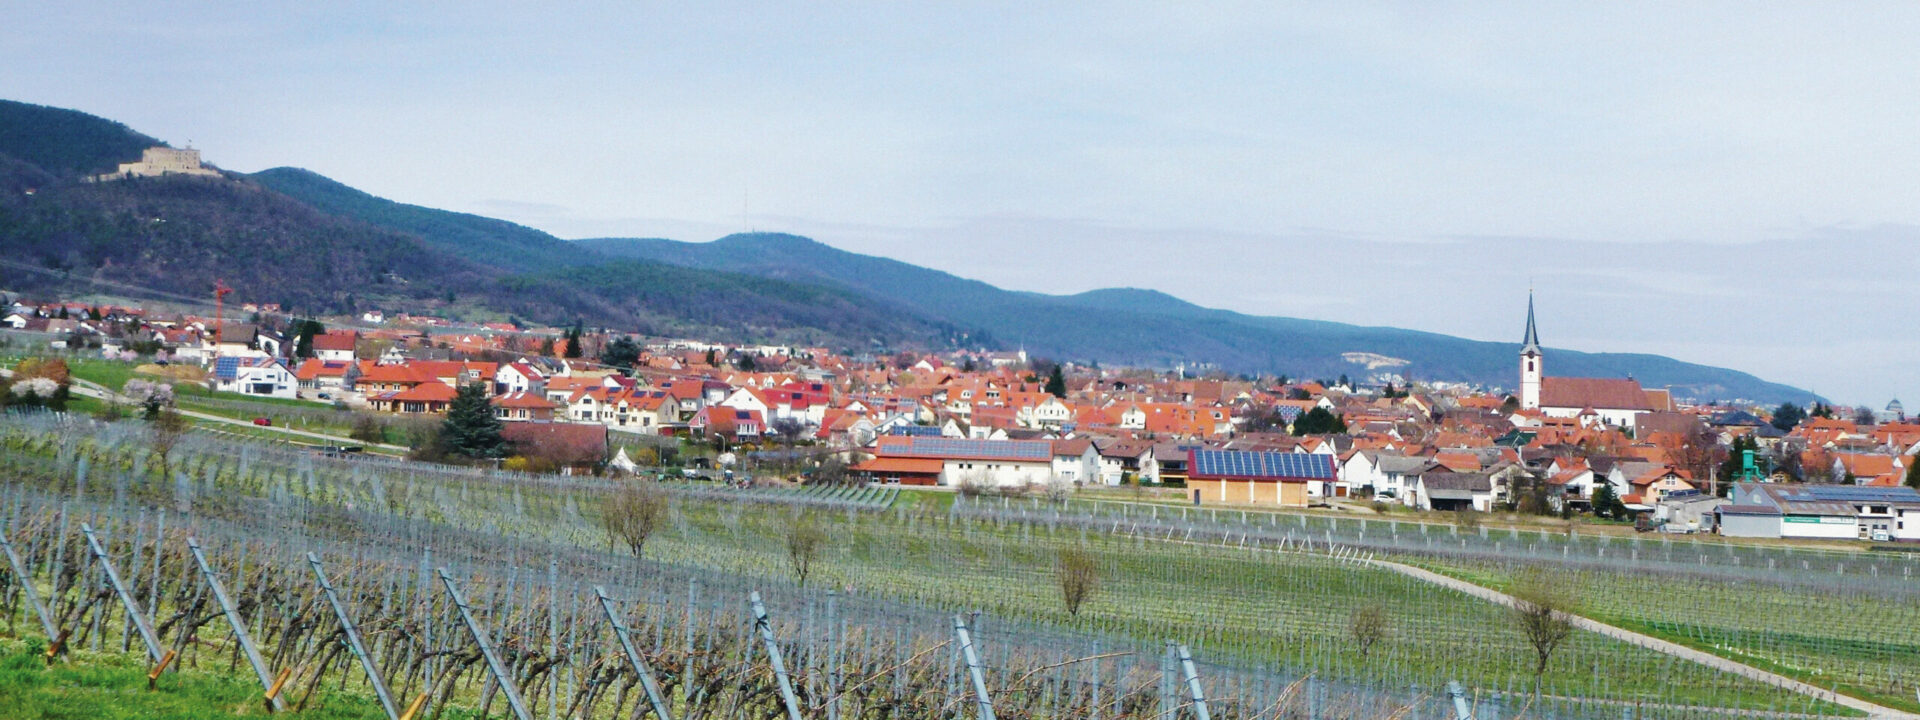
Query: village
[{"x": 1599, "y": 449}]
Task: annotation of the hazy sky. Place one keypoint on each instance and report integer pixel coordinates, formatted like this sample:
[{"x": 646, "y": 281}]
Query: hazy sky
[{"x": 1733, "y": 183}]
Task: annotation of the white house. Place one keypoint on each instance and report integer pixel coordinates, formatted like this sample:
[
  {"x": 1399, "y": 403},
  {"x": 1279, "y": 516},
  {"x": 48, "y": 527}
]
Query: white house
[
  {"x": 1076, "y": 461},
  {"x": 519, "y": 377},
  {"x": 262, "y": 376},
  {"x": 1049, "y": 413}
]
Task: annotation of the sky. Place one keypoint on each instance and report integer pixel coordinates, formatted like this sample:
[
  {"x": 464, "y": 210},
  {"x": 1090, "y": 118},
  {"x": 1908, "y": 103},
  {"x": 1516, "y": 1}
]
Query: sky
[{"x": 1736, "y": 183}]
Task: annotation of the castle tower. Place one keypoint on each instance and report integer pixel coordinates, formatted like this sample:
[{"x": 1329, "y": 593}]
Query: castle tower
[{"x": 1531, "y": 364}]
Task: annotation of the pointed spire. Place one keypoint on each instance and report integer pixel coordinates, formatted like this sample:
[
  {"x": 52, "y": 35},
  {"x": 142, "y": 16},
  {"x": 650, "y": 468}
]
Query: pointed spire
[{"x": 1530, "y": 345}]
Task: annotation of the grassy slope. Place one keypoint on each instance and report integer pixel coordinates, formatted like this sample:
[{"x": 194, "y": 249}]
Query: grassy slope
[{"x": 90, "y": 686}]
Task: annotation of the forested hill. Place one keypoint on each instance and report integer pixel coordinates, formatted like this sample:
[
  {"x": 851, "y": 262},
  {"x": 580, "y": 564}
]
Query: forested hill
[{"x": 297, "y": 239}]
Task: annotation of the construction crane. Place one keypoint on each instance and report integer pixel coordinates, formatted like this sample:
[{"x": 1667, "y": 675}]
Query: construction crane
[{"x": 220, "y": 291}]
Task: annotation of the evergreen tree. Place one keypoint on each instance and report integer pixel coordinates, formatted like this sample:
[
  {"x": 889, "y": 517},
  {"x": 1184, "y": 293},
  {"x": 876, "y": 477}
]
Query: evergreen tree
[
  {"x": 622, "y": 353},
  {"x": 713, "y": 360},
  {"x": 546, "y": 347},
  {"x": 1607, "y": 504},
  {"x": 1319, "y": 421},
  {"x": 1821, "y": 410},
  {"x": 304, "y": 332},
  {"x": 573, "y": 339},
  {"x": 1913, "y": 473},
  {"x": 1787, "y": 417},
  {"x": 1057, "y": 383},
  {"x": 471, "y": 429},
  {"x": 746, "y": 362}
]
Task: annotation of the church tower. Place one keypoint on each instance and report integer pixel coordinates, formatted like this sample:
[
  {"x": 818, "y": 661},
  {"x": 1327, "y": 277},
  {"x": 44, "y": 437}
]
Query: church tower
[{"x": 1531, "y": 366}]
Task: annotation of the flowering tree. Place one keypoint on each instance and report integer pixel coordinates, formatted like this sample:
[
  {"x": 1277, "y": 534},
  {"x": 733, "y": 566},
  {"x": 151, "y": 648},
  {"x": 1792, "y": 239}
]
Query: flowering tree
[{"x": 152, "y": 397}]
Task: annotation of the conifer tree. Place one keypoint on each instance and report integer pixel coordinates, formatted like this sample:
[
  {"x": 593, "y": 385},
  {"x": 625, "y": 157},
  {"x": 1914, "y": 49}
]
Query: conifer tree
[
  {"x": 471, "y": 429},
  {"x": 1057, "y": 383},
  {"x": 573, "y": 339}
]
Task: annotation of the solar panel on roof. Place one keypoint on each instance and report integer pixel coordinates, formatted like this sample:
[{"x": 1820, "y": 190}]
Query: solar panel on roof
[
  {"x": 1262, "y": 464},
  {"x": 226, "y": 368},
  {"x": 971, "y": 448}
]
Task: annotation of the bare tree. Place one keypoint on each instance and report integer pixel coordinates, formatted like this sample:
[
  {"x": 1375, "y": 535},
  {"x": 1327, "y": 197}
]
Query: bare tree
[
  {"x": 1541, "y": 610},
  {"x": 635, "y": 511},
  {"x": 789, "y": 429},
  {"x": 1078, "y": 575},
  {"x": 1058, "y": 490},
  {"x": 805, "y": 538},
  {"x": 163, "y": 433},
  {"x": 1467, "y": 519},
  {"x": 1368, "y": 625}
]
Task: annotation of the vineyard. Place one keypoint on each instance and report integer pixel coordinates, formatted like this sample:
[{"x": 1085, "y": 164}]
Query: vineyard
[{"x": 480, "y": 592}]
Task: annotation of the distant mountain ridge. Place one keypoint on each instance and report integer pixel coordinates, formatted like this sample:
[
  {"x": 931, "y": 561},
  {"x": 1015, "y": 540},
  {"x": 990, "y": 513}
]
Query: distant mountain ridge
[
  {"x": 1147, "y": 327},
  {"x": 294, "y": 237}
]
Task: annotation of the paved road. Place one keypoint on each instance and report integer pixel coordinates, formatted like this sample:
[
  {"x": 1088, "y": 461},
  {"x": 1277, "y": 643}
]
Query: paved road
[
  {"x": 1656, "y": 644},
  {"x": 94, "y": 390}
]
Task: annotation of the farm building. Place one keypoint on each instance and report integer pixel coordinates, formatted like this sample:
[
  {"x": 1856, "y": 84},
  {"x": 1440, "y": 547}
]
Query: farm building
[
  {"x": 1258, "y": 478},
  {"x": 922, "y": 460},
  {"x": 576, "y": 448},
  {"x": 1838, "y": 512}
]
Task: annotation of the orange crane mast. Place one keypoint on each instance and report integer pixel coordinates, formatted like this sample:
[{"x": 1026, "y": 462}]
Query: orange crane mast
[{"x": 220, "y": 291}]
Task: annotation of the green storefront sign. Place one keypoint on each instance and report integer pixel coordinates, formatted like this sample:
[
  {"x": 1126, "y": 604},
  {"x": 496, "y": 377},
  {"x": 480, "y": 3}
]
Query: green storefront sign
[{"x": 1819, "y": 520}]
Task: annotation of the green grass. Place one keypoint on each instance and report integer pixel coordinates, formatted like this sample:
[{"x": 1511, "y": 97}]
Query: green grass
[
  {"x": 1744, "y": 622},
  {"x": 94, "y": 686},
  {"x": 109, "y": 373}
]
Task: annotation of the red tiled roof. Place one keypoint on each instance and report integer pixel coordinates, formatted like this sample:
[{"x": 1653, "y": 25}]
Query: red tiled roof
[
  {"x": 526, "y": 400},
  {"x": 1596, "y": 393},
  {"x": 336, "y": 340}
]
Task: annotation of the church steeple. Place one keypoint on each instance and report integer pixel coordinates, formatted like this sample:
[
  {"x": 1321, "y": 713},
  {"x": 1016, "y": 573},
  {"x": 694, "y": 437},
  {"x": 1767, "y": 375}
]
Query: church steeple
[
  {"x": 1532, "y": 365},
  {"x": 1531, "y": 344}
]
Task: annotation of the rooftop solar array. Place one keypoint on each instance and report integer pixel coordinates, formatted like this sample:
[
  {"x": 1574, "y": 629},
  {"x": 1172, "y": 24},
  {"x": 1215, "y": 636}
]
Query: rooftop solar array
[
  {"x": 914, "y": 431},
  {"x": 1222, "y": 463},
  {"x": 945, "y": 447},
  {"x": 1852, "y": 493},
  {"x": 226, "y": 368}
]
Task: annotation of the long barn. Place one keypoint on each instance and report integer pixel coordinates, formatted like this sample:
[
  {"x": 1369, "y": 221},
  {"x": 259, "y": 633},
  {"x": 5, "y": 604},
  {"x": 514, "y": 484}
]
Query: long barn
[{"x": 1255, "y": 478}]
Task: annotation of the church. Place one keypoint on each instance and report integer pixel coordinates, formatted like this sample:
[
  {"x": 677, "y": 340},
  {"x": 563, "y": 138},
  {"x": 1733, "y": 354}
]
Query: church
[{"x": 1611, "y": 401}]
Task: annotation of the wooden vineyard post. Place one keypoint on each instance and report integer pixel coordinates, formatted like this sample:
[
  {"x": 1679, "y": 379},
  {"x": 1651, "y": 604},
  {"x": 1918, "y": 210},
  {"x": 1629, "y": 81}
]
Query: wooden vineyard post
[
  {"x": 765, "y": 626},
  {"x": 639, "y": 664},
  {"x": 494, "y": 665},
  {"x": 133, "y": 606},
  {"x": 353, "y": 638},
  {"x": 974, "y": 671},
  {"x": 239, "y": 625}
]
